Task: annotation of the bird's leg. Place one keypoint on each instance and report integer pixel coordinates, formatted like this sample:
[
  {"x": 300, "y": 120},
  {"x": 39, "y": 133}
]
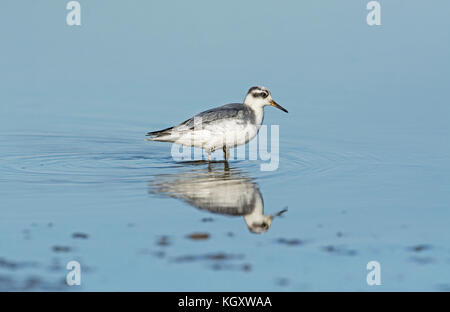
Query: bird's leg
[
  {"x": 226, "y": 169},
  {"x": 209, "y": 155},
  {"x": 226, "y": 153}
]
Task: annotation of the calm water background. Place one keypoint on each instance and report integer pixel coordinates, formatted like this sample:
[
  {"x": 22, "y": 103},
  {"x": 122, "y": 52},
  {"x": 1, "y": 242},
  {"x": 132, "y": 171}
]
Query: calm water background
[{"x": 364, "y": 151}]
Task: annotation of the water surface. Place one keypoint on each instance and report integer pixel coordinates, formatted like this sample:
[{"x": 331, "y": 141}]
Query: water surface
[{"x": 364, "y": 151}]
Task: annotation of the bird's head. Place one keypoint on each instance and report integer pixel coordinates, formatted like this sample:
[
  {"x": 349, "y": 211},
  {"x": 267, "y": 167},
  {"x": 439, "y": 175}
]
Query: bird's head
[
  {"x": 257, "y": 221},
  {"x": 260, "y": 225},
  {"x": 258, "y": 97}
]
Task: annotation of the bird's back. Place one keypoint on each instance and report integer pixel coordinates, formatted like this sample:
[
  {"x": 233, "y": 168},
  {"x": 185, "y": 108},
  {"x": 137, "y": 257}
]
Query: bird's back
[
  {"x": 236, "y": 111},
  {"x": 228, "y": 125}
]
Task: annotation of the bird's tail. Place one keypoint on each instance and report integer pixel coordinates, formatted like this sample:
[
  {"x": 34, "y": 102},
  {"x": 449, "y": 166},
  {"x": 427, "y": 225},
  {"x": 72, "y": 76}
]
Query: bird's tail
[{"x": 160, "y": 135}]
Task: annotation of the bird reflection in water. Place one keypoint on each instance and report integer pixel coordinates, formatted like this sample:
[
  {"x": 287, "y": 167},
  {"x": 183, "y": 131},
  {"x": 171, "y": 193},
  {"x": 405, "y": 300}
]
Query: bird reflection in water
[{"x": 217, "y": 189}]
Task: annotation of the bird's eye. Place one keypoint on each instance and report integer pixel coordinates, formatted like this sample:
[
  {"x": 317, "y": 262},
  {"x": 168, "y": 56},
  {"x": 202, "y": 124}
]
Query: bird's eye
[{"x": 264, "y": 95}]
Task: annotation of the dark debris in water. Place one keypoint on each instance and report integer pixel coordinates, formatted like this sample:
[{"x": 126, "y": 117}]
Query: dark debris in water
[
  {"x": 340, "y": 250},
  {"x": 231, "y": 267},
  {"x": 198, "y": 236},
  {"x": 218, "y": 256},
  {"x": 419, "y": 248},
  {"x": 290, "y": 242},
  {"x": 209, "y": 219},
  {"x": 44, "y": 276},
  {"x": 79, "y": 235},
  {"x": 186, "y": 258},
  {"x": 13, "y": 265},
  {"x": 59, "y": 248},
  {"x": 218, "y": 261}
]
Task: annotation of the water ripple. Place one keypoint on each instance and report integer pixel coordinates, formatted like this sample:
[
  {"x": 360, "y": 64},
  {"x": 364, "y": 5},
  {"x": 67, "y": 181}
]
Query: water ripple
[{"x": 53, "y": 158}]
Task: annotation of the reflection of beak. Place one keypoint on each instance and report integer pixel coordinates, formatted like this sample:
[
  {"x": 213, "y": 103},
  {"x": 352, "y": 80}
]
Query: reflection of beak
[
  {"x": 273, "y": 103},
  {"x": 280, "y": 213}
]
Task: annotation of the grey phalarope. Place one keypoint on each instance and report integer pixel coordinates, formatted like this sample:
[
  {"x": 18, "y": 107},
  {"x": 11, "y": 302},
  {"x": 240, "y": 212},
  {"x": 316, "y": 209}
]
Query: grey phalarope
[{"x": 222, "y": 127}]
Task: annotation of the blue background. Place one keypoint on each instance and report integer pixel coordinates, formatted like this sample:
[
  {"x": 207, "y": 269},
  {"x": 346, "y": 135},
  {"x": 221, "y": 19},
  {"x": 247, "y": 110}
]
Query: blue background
[{"x": 364, "y": 150}]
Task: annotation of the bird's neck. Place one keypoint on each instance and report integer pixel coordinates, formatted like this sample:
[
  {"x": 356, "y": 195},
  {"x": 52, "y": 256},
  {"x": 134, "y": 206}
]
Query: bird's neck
[{"x": 258, "y": 111}]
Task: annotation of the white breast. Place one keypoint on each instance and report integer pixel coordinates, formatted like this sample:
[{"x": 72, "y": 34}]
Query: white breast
[{"x": 228, "y": 132}]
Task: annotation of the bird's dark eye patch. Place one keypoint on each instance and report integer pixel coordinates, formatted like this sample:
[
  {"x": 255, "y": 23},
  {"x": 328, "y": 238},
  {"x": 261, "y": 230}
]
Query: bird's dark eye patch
[{"x": 261, "y": 94}]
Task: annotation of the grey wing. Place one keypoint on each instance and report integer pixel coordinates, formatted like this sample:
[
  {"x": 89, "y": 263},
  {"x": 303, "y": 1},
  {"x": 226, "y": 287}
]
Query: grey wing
[{"x": 214, "y": 115}]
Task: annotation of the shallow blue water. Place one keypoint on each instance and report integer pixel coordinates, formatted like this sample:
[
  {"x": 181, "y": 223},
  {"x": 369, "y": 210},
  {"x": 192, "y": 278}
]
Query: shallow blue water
[{"x": 364, "y": 152}]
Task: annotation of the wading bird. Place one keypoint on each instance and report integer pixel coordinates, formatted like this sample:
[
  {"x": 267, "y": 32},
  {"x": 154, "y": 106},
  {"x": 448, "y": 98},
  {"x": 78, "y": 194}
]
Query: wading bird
[{"x": 223, "y": 127}]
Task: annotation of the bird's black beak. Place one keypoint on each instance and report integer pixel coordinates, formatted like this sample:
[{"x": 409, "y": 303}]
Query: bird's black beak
[{"x": 273, "y": 103}]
